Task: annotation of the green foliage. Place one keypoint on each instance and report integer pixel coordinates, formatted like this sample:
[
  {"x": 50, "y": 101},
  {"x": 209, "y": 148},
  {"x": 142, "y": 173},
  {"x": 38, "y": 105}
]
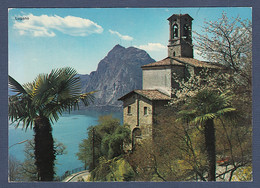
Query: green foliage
[
  {"x": 83, "y": 150},
  {"x": 243, "y": 174},
  {"x": 112, "y": 144},
  {"x": 205, "y": 105},
  {"x": 106, "y": 139},
  {"x": 116, "y": 169}
]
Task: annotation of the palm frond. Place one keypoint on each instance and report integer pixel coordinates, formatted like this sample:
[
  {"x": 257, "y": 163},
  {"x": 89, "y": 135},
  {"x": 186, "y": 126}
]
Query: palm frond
[
  {"x": 28, "y": 87},
  {"x": 20, "y": 110},
  {"x": 15, "y": 86},
  {"x": 203, "y": 118},
  {"x": 60, "y": 91},
  {"x": 87, "y": 98},
  {"x": 228, "y": 113},
  {"x": 208, "y": 104},
  {"x": 186, "y": 116}
]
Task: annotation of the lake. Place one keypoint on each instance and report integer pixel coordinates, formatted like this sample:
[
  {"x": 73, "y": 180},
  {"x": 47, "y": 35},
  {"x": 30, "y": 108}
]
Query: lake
[{"x": 70, "y": 129}]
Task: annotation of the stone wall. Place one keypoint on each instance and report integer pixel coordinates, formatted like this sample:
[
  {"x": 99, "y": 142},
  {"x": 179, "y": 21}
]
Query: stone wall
[
  {"x": 130, "y": 118},
  {"x": 137, "y": 118},
  {"x": 145, "y": 120},
  {"x": 161, "y": 110}
]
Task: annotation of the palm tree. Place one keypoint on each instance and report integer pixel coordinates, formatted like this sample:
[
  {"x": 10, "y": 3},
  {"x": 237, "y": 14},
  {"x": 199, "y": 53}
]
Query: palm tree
[
  {"x": 38, "y": 104},
  {"x": 206, "y": 106}
]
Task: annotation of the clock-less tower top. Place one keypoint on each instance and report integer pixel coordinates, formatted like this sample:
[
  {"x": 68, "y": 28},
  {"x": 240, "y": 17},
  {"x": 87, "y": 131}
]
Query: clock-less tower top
[{"x": 180, "y": 41}]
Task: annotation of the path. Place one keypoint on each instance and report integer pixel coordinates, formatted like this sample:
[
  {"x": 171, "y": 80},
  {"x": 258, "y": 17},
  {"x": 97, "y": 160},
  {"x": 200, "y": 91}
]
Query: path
[{"x": 79, "y": 176}]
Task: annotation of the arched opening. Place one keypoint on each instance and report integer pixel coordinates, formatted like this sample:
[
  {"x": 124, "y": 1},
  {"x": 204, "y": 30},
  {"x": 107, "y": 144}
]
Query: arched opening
[
  {"x": 175, "y": 31},
  {"x": 186, "y": 30},
  {"x": 136, "y": 136}
]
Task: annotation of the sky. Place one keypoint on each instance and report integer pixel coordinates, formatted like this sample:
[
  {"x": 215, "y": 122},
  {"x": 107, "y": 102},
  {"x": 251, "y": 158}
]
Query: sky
[{"x": 42, "y": 39}]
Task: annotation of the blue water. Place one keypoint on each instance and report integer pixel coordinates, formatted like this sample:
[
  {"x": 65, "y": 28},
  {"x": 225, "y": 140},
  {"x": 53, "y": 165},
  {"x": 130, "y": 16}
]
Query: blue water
[{"x": 70, "y": 129}]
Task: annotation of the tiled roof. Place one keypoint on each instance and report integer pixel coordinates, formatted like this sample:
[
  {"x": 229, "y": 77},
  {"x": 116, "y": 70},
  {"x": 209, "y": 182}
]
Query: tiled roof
[
  {"x": 153, "y": 94},
  {"x": 165, "y": 62},
  {"x": 149, "y": 94},
  {"x": 181, "y": 61},
  {"x": 179, "y": 15},
  {"x": 197, "y": 63}
]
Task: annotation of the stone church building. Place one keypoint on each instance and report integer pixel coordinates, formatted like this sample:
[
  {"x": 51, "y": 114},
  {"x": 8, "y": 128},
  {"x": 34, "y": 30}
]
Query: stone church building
[{"x": 140, "y": 107}]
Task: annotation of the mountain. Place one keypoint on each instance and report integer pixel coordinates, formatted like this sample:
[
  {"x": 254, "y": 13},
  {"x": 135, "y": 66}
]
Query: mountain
[{"x": 117, "y": 74}]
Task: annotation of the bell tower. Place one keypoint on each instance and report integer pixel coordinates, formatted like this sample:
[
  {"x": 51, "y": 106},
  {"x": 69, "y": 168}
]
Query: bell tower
[{"x": 180, "y": 41}]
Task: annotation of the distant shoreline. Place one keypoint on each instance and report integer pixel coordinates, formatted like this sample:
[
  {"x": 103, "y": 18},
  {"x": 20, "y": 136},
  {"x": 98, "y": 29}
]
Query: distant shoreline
[{"x": 103, "y": 108}]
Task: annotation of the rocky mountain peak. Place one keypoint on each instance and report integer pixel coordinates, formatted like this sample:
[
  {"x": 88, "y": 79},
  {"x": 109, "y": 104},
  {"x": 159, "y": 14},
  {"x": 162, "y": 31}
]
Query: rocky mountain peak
[{"x": 117, "y": 74}]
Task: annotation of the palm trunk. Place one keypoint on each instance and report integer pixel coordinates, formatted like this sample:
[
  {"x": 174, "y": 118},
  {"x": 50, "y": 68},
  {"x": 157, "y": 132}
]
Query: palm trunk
[
  {"x": 44, "y": 150},
  {"x": 211, "y": 149}
]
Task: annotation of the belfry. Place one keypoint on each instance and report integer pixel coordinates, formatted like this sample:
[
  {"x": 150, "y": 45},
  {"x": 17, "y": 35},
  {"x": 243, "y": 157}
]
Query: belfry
[{"x": 180, "y": 40}]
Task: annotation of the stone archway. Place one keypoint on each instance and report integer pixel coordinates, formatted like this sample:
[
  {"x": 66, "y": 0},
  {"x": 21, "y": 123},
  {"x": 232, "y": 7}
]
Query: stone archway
[{"x": 136, "y": 136}]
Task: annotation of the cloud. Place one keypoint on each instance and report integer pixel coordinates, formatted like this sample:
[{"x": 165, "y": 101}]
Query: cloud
[
  {"x": 123, "y": 37},
  {"x": 152, "y": 47},
  {"x": 44, "y": 25}
]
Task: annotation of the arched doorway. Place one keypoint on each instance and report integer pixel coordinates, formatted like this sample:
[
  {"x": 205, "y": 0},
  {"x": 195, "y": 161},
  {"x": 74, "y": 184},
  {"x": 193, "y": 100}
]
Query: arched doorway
[{"x": 136, "y": 136}]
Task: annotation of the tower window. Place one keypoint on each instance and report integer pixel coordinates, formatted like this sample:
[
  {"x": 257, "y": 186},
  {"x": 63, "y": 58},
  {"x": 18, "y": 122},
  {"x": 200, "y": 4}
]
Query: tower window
[
  {"x": 175, "y": 30},
  {"x": 173, "y": 53},
  {"x": 186, "y": 30},
  {"x": 129, "y": 110},
  {"x": 145, "y": 111}
]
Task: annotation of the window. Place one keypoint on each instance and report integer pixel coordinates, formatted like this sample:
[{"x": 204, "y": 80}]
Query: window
[
  {"x": 129, "y": 110},
  {"x": 145, "y": 111},
  {"x": 175, "y": 30},
  {"x": 186, "y": 30}
]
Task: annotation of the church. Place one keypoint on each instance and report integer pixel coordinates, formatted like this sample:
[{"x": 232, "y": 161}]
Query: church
[{"x": 140, "y": 107}]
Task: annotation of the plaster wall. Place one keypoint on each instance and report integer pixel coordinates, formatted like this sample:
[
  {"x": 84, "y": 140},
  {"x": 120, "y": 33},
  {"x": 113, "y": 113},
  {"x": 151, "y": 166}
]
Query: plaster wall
[{"x": 158, "y": 79}]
